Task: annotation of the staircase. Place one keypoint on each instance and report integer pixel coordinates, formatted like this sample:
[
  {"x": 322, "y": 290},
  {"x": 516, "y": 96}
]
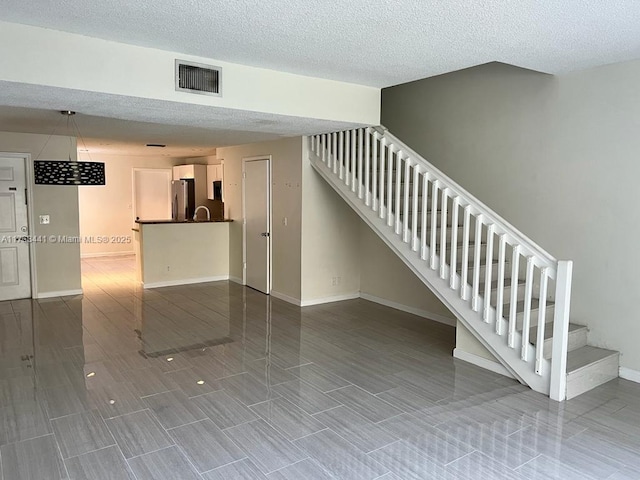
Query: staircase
[{"x": 507, "y": 291}]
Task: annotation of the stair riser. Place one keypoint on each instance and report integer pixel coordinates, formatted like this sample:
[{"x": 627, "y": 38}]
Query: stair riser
[
  {"x": 534, "y": 316},
  {"x": 577, "y": 339},
  {"x": 592, "y": 375}
]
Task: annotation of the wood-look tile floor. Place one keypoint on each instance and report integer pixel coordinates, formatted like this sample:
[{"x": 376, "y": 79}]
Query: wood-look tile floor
[{"x": 217, "y": 381}]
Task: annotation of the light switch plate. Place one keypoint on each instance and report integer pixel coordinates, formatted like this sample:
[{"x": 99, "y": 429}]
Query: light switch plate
[{"x": 44, "y": 220}]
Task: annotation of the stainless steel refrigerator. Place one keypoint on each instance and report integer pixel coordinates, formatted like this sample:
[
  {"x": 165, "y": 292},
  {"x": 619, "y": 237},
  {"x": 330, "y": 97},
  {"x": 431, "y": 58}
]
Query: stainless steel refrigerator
[{"x": 183, "y": 199}]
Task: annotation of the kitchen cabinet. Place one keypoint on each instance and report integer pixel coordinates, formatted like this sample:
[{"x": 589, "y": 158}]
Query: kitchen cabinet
[{"x": 215, "y": 173}]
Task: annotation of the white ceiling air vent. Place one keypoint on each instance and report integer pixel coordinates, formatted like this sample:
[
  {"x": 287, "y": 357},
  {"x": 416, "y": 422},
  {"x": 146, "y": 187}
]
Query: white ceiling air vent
[{"x": 198, "y": 78}]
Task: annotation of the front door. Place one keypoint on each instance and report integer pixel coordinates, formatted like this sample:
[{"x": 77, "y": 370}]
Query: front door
[
  {"x": 15, "y": 272},
  {"x": 257, "y": 209}
]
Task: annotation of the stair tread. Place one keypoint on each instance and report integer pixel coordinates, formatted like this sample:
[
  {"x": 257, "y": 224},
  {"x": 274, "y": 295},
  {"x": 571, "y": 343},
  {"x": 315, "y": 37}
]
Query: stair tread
[
  {"x": 584, "y": 356},
  {"x": 535, "y": 304},
  {"x": 507, "y": 283}
]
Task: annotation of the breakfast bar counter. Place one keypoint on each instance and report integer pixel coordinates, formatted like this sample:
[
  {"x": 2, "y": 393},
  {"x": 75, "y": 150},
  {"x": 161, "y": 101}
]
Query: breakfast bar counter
[{"x": 170, "y": 252}]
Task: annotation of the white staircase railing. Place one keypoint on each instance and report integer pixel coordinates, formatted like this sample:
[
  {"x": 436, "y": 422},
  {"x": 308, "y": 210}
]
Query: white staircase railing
[{"x": 509, "y": 292}]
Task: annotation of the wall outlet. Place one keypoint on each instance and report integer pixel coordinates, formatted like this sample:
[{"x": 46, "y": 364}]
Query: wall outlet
[
  {"x": 335, "y": 281},
  {"x": 45, "y": 219},
  {"x": 285, "y": 221}
]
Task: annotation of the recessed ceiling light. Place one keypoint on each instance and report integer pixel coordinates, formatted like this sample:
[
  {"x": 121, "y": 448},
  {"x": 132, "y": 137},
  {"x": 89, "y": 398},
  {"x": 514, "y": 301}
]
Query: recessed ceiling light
[
  {"x": 170, "y": 359},
  {"x": 91, "y": 374},
  {"x": 156, "y": 145},
  {"x": 200, "y": 382},
  {"x": 112, "y": 402}
]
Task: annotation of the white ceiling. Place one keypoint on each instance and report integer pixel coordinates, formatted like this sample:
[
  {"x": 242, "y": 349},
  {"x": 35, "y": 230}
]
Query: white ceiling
[{"x": 372, "y": 42}]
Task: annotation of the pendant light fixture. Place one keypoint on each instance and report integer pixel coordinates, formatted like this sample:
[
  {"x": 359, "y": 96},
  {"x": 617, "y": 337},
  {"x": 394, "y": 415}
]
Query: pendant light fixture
[{"x": 68, "y": 172}]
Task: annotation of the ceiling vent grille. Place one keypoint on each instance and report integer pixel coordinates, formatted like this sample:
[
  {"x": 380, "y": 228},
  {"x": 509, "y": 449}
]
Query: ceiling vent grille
[{"x": 197, "y": 78}]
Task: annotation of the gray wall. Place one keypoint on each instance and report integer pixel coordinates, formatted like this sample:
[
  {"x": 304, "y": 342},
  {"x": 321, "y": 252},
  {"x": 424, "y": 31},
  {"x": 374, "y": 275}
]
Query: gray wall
[{"x": 556, "y": 156}]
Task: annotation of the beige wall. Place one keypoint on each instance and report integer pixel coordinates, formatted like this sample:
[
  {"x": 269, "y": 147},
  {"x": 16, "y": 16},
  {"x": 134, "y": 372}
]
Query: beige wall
[
  {"x": 286, "y": 155},
  {"x": 384, "y": 276},
  {"x": 57, "y": 265},
  {"x": 189, "y": 252},
  {"x": 556, "y": 156},
  {"x": 330, "y": 241},
  {"x": 107, "y": 210}
]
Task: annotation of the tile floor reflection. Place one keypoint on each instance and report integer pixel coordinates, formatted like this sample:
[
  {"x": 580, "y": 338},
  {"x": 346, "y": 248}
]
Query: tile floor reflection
[{"x": 217, "y": 381}]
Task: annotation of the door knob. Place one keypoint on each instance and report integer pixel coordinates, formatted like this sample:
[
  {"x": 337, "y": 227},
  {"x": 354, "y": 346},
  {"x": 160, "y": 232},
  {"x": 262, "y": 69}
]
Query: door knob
[
  {"x": 264, "y": 234},
  {"x": 24, "y": 229}
]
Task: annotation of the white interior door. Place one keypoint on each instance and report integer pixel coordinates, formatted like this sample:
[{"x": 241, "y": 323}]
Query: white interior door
[
  {"x": 15, "y": 273},
  {"x": 152, "y": 194},
  {"x": 257, "y": 208}
]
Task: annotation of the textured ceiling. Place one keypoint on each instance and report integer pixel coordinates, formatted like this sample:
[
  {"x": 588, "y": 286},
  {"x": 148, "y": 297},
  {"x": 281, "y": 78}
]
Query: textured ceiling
[{"x": 372, "y": 42}]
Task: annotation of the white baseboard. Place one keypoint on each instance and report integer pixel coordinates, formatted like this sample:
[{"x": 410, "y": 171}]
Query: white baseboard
[
  {"x": 107, "y": 254},
  {"x": 405, "y": 308},
  {"x": 185, "y": 281},
  {"x": 236, "y": 280},
  {"x": 629, "y": 374},
  {"x": 336, "y": 298},
  {"x": 286, "y": 298},
  {"x": 481, "y": 362},
  {"x": 60, "y": 293}
]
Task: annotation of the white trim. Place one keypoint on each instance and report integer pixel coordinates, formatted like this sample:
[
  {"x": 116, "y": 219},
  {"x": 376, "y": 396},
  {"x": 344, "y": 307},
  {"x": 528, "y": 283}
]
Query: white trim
[
  {"x": 107, "y": 254},
  {"x": 236, "y": 280},
  {"x": 185, "y": 281},
  {"x": 481, "y": 362},
  {"x": 61, "y": 293},
  {"x": 286, "y": 298},
  {"x": 336, "y": 298},
  {"x": 629, "y": 374},
  {"x": 406, "y": 308}
]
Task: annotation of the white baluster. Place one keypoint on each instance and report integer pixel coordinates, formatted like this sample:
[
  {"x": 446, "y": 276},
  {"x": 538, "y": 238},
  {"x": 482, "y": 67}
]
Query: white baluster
[
  {"x": 541, "y": 319},
  {"x": 334, "y": 145},
  {"x": 464, "y": 271},
  {"x": 354, "y": 143},
  {"x": 324, "y": 148},
  {"x": 476, "y": 264},
  {"x": 367, "y": 168},
  {"x": 434, "y": 224},
  {"x": 513, "y": 310},
  {"x": 347, "y": 158},
  {"x": 488, "y": 274},
  {"x": 444, "y": 220},
  {"x": 384, "y": 152},
  {"x": 397, "y": 196},
  {"x": 526, "y": 322},
  {"x": 405, "y": 202},
  {"x": 341, "y": 155},
  {"x": 425, "y": 200},
  {"x": 414, "y": 206},
  {"x": 374, "y": 179},
  {"x": 454, "y": 242},
  {"x": 500, "y": 300},
  {"x": 360, "y": 155},
  {"x": 391, "y": 208},
  {"x": 558, "y": 383}
]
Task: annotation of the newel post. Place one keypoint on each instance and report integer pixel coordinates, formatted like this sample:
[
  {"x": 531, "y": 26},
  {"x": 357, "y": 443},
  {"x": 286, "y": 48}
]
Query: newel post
[{"x": 558, "y": 384}]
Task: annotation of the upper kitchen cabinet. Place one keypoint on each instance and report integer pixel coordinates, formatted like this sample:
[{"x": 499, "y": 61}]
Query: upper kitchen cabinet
[
  {"x": 189, "y": 171},
  {"x": 215, "y": 180}
]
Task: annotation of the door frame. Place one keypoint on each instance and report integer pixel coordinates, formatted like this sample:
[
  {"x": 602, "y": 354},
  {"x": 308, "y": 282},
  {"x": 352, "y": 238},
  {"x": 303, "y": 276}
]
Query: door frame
[
  {"x": 29, "y": 182},
  {"x": 268, "y": 158}
]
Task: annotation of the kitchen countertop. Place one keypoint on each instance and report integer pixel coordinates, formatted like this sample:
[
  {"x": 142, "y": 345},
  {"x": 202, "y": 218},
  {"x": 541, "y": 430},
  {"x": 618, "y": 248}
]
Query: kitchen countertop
[{"x": 157, "y": 222}]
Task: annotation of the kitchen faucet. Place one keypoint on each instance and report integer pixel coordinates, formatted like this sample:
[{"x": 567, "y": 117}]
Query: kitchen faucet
[{"x": 195, "y": 214}]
